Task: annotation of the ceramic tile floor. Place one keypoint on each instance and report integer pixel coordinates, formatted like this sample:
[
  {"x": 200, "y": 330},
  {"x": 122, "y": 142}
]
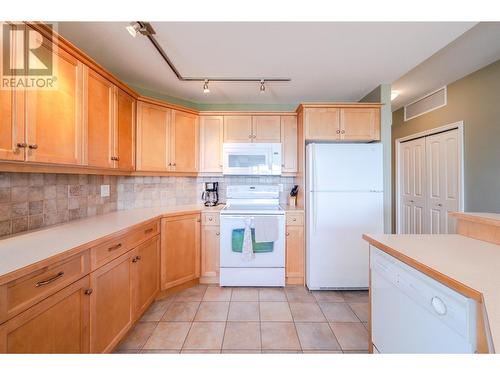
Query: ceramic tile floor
[{"x": 210, "y": 319}]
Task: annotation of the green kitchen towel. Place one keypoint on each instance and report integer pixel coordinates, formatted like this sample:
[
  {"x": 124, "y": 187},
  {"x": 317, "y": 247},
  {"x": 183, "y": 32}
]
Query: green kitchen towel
[{"x": 258, "y": 247}]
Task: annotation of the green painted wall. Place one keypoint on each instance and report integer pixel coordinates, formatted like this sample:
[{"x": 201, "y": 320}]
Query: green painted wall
[
  {"x": 216, "y": 106},
  {"x": 382, "y": 94},
  {"x": 475, "y": 100}
]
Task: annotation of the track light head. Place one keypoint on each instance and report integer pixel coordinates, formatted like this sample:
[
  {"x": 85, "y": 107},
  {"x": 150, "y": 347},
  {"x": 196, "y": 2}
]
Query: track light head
[
  {"x": 144, "y": 28},
  {"x": 262, "y": 87},
  {"x": 206, "y": 90}
]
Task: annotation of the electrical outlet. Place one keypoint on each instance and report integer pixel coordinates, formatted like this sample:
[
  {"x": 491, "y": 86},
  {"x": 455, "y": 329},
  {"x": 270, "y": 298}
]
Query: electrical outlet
[{"x": 104, "y": 191}]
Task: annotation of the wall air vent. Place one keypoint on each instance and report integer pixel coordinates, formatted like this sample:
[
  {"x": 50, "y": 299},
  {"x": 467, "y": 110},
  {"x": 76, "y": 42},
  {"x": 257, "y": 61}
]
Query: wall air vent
[{"x": 426, "y": 104}]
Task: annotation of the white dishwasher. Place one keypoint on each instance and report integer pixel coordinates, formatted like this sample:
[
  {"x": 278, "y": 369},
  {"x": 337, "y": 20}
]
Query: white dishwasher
[{"x": 412, "y": 313}]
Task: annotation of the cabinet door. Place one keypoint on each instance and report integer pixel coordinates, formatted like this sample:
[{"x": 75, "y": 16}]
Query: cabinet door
[
  {"x": 210, "y": 244},
  {"x": 58, "y": 324},
  {"x": 289, "y": 144},
  {"x": 99, "y": 99},
  {"x": 180, "y": 250},
  {"x": 322, "y": 124},
  {"x": 110, "y": 304},
  {"x": 294, "y": 268},
  {"x": 237, "y": 129},
  {"x": 184, "y": 144},
  {"x": 124, "y": 145},
  {"x": 211, "y": 140},
  {"x": 360, "y": 124},
  {"x": 266, "y": 129},
  {"x": 146, "y": 275},
  {"x": 54, "y": 117},
  {"x": 153, "y": 124},
  {"x": 12, "y": 135}
]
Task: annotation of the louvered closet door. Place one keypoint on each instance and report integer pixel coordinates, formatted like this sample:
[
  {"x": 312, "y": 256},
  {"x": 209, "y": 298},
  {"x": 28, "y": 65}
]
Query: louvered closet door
[
  {"x": 443, "y": 179},
  {"x": 412, "y": 185}
]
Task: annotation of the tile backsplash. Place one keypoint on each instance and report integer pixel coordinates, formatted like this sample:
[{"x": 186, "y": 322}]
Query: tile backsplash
[
  {"x": 137, "y": 192},
  {"x": 34, "y": 200}
]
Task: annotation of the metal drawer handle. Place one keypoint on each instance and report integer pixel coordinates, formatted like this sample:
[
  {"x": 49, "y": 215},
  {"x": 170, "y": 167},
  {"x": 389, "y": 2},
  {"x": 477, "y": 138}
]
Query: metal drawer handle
[
  {"x": 88, "y": 291},
  {"x": 287, "y": 233},
  {"x": 33, "y": 146},
  {"x": 294, "y": 219},
  {"x": 48, "y": 281},
  {"x": 136, "y": 259},
  {"x": 217, "y": 233},
  {"x": 210, "y": 219},
  {"x": 115, "y": 247},
  {"x": 149, "y": 230}
]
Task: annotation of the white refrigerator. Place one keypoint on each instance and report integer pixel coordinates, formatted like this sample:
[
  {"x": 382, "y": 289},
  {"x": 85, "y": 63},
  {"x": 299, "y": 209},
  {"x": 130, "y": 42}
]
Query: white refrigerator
[{"x": 344, "y": 198}]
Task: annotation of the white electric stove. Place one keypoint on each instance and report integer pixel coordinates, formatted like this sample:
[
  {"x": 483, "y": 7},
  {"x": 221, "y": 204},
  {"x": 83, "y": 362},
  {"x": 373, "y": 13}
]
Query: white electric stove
[{"x": 244, "y": 204}]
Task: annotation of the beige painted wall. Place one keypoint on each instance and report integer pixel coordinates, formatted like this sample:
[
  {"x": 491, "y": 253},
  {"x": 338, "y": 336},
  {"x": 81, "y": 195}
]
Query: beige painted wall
[{"x": 475, "y": 100}]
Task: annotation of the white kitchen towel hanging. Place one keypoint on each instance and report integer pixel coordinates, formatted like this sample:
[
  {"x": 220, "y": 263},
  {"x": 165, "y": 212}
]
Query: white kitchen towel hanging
[
  {"x": 247, "y": 249},
  {"x": 266, "y": 228}
]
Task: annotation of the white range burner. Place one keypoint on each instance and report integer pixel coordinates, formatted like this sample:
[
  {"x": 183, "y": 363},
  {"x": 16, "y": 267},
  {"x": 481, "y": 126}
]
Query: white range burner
[{"x": 248, "y": 208}]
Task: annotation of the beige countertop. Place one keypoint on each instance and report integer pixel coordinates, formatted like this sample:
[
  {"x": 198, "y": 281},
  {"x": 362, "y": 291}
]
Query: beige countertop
[
  {"x": 23, "y": 250},
  {"x": 467, "y": 265}
]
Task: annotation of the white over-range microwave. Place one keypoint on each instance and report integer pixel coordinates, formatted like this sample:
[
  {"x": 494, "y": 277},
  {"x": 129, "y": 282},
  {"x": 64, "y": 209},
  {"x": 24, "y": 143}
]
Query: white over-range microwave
[{"x": 260, "y": 159}]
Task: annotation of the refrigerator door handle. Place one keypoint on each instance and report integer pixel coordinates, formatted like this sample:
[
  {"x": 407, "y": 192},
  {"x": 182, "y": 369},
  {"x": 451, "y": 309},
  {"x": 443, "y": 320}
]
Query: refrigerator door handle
[{"x": 314, "y": 209}]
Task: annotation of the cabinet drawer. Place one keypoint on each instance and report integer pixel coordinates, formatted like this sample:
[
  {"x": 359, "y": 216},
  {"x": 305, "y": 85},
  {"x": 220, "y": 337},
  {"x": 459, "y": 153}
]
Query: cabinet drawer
[
  {"x": 210, "y": 218},
  {"x": 295, "y": 218},
  {"x": 109, "y": 250},
  {"x": 18, "y": 295}
]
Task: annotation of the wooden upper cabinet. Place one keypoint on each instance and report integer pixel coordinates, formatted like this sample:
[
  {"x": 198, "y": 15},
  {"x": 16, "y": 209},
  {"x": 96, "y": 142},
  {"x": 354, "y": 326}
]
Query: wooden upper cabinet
[
  {"x": 322, "y": 123},
  {"x": 153, "y": 151},
  {"x": 124, "y": 124},
  {"x": 54, "y": 116},
  {"x": 266, "y": 129},
  {"x": 360, "y": 124},
  {"x": 145, "y": 274},
  {"x": 180, "y": 250},
  {"x": 12, "y": 125},
  {"x": 99, "y": 100},
  {"x": 110, "y": 303},
  {"x": 237, "y": 129},
  {"x": 184, "y": 142},
  {"x": 211, "y": 140},
  {"x": 12, "y": 134},
  {"x": 289, "y": 144},
  {"x": 58, "y": 324}
]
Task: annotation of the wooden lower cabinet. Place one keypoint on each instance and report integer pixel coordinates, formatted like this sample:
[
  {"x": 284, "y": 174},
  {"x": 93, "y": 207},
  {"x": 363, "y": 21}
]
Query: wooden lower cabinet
[
  {"x": 58, "y": 324},
  {"x": 210, "y": 254},
  {"x": 110, "y": 303},
  {"x": 180, "y": 250},
  {"x": 294, "y": 266},
  {"x": 146, "y": 275}
]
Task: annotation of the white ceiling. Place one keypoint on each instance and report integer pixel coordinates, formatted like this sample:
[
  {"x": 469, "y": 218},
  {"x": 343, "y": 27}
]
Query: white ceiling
[
  {"x": 478, "y": 47},
  {"x": 326, "y": 61}
]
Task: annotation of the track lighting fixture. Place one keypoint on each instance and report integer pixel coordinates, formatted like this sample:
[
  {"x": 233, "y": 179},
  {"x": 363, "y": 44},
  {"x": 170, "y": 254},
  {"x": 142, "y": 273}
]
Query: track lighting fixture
[
  {"x": 262, "y": 87},
  {"x": 206, "y": 90},
  {"x": 140, "y": 27}
]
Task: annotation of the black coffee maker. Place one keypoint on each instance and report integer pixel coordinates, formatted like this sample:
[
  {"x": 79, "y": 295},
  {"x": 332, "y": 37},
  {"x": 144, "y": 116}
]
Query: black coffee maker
[{"x": 210, "y": 196}]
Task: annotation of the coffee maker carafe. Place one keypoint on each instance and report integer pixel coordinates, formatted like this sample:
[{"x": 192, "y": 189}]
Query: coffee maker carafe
[{"x": 210, "y": 196}]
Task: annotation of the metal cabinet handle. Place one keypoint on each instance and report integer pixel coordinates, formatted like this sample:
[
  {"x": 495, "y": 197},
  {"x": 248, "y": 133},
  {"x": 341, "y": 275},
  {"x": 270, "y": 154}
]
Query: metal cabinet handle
[
  {"x": 149, "y": 230},
  {"x": 287, "y": 233},
  {"x": 136, "y": 259},
  {"x": 342, "y": 131},
  {"x": 294, "y": 219},
  {"x": 115, "y": 247},
  {"x": 174, "y": 164},
  {"x": 411, "y": 201},
  {"x": 169, "y": 164},
  {"x": 338, "y": 131},
  {"x": 49, "y": 280},
  {"x": 88, "y": 291},
  {"x": 33, "y": 146},
  {"x": 22, "y": 145},
  {"x": 115, "y": 158},
  {"x": 250, "y": 136},
  {"x": 210, "y": 219},
  {"x": 440, "y": 205}
]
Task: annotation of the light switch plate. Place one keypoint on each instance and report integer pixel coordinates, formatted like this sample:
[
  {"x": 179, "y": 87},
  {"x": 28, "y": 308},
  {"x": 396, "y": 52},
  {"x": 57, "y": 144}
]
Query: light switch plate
[{"x": 104, "y": 191}]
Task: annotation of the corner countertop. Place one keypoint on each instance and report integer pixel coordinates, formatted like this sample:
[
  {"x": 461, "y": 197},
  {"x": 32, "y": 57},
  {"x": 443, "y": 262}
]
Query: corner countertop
[
  {"x": 25, "y": 249},
  {"x": 467, "y": 265}
]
